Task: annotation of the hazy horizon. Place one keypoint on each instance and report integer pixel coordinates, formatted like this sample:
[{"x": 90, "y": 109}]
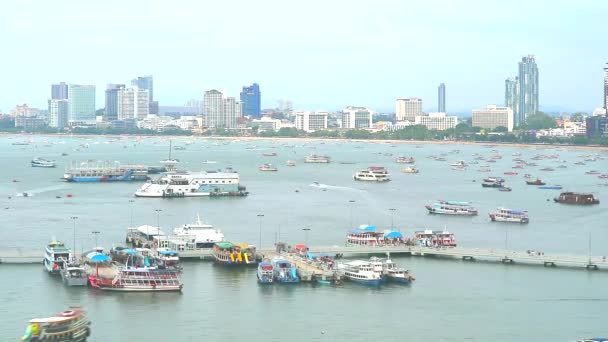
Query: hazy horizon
[{"x": 318, "y": 55}]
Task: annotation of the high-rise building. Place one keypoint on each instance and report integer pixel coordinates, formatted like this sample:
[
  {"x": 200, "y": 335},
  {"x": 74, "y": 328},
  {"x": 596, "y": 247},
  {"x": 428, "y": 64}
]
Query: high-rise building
[
  {"x": 441, "y": 98},
  {"x": 408, "y": 109},
  {"x": 220, "y": 111},
  {"x": 436, "y": 121},
  {"x": 59, "y": 91},
  {"x": 606, "y": 87},
  {"x": 311, "y": 121},
  {"x": 147, "y": 82},
  {"x": 111, "y": 109},
  {"x": 512, "y": 95},
  {"x": 58, "y": 113},
  {"x": 81, "y": 104},
  {"x": 251, "y": 99},
  {"x": 492, "y": 117},
  {"x": 133, "y": 103},
  {"x": 528, "y": 89},
  {"x": 357, "y": 117}
]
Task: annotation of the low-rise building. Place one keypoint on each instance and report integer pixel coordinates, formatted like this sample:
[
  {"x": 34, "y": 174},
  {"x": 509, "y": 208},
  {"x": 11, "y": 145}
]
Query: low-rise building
[
  {"x": 492, "y": 117},
  {"x": 311, "y": 121},
  {"x": 266, "y": 123},
  {"x": 29, "y": 124},
  {"x": 356, "y": 118},
  {"x": 436, "y": 121}
]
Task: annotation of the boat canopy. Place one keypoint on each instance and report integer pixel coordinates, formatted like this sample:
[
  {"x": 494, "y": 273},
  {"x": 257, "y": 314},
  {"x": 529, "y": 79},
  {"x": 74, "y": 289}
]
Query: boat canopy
[
  {"x": 243, "y": 245},
  {"x": 514, "y": 211},
  {"x": 97, "y": 257},
  {"x": 300, "y": 246},
  {"x": 393, "y": 235},
  {"x": 224, "y": 245},
  {"x": 168, "y": 252},
  {"x": 367, "y": 227},
  {"x": 455, "y": 202}
]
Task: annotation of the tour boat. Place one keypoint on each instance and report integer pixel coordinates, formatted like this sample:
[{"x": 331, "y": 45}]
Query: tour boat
[
  {"x": 435, "y": 238},
  {"x": 273, "y": 154},
  {"x": 510, "y": 173},
  {"x": 290, "y": 163},
  {"x": 170, "y": 161},
  {"x": 267, "y": 167},
  {"x": 576, "y": 198},
  {"x": 194, "y": 184},
  {"x": 313, "y": 158},
  {"x": 104, "y": 171},
  {"x": 202, "y": 235},
  {"x": 392, "y": 272},
  {"x": 360, "y": 272},
  {"x": 551, "y": 187},
  {"x": 69, "y": 325},
  {"x": 509, "y": 215},
  {"x": 227, "y": 253},
  {"x": 535, "y": 182},
  {"x": 452, "y": 208},
  {"x": 132, "y": 279},
  {"x": 56, "y": 256},
  {"x": 41, "y": 162},
  {"x": 405, "y": 160},
  {"x": 492, "y": 185},
  {"x": 592, "y": 172},
  {"x": 284, "y": 271},
  {"x": 459, "y": 164},
  {"x": 74, "y": 275},
  {"x": 494, "y": 180},
  {"x": 374, "y": 174},
  {"x": 265, "y": 273},
  {"x": 410, "y": 170}
]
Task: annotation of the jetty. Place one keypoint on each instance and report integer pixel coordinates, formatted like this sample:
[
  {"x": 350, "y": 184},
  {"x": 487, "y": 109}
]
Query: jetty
[{"x": 501, "y": 256}]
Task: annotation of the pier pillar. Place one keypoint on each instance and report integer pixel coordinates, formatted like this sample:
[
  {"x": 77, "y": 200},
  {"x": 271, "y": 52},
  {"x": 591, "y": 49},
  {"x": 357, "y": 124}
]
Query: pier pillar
[
  {"x": 591, "y": 267},
  {"x": 549, "y": 264},
  {"x": 507, "y": 261},
  {"x": 467, "y": 258}
]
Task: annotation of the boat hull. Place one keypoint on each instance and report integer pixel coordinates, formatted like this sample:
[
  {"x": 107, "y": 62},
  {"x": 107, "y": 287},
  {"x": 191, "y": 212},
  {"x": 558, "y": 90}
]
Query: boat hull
[
  {"x": 400, "y": 280},
  {"x": 80, "y": 281},
  {"x": 454, "y": 213},
  {"x": 370, "y": 282},
  {"x": 509, "y": 220}
]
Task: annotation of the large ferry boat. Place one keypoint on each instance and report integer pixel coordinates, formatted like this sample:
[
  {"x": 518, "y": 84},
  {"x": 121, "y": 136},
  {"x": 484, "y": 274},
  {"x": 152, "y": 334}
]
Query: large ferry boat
[
  {"x": 202, "y": 235},
  {"x": 139, "y": 280},
  {"x": 70, "y": 325},
  {"x": 284, "y": 271},
  {"x": 105, "y": 171},
  {"x": 577, "y": 198},
  {"x": 452, "y": 208},
  {"x": 374, "y": 174},
  {"x": 435, "y": 238},
  {"x": 313, "y": 158},
  {"x": 360, "y": 272},
  {"x": 228, "y": 253},
  {"x": 509, "y": 215},
  {"x": 56, "y": 256},
  {"x": 194, "y": 184},
  {"x": 41, "y": 162}
]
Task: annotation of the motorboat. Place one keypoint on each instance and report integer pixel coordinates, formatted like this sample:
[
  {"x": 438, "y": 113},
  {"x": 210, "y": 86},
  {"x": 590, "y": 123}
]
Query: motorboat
[
  {"x": 56, "y": 256},
  {"x": 509, "y": 215},
  {"x": 74, "y": 275},
  {"x": 535, "y": 182},
  {"x": 374, "y": 174},
  {"x": 284, "y": 271},
  {"x": 265, "y": 273},
  {"x": 268, "y": 167},
  {"x": 41, "y": 162}
]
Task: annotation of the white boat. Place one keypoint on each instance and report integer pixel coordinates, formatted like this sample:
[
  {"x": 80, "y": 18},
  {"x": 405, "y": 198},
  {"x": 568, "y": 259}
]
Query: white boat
[
  {"x": 290, "y": 163},
  {"x": 41, "y": 162},
  {"x": 209, "y": 162},
  {"x": 373, "y": 173},
  {"x": 74, "y": 275},
  {"x": 167, "y": 258},
  {"x": 410, "y": 170},
  {"x": 265, "y": 273},
  {"x": 452, "y": 208},
  {"x": 194, "y": 184},
  {"x": 139, "y": 280},
  {"x": 203, "y": 235},
  {"x": 360, "y": 272},
  {"x": 268, "y": 167},
  {"x": 313, "y": 158},
  {"x": 284, "y": 271},
  {"x": 459, "y": 164},
  {"x": 56, "y": 256},
  {"x": 392, "y": 272},
  {"x": 405, "y": 160},
  {"x": 509, "y": 215},
  {"x": 170, "y": 161}
]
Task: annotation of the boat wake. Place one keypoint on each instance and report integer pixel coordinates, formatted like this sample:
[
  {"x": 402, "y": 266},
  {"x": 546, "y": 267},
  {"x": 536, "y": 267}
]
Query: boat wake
[
  {"x": 45, "y": 189},
  {"x": 334, "y": 187}
]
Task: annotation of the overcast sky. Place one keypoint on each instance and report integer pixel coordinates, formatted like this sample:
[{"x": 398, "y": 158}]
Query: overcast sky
[{"x": 319, "y": 54}]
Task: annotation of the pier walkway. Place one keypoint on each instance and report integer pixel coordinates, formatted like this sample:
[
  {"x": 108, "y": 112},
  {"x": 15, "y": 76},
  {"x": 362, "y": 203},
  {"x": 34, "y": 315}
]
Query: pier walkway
[
  {"x": 306, "y": 269},
  {"x": 19, "y": 255}
]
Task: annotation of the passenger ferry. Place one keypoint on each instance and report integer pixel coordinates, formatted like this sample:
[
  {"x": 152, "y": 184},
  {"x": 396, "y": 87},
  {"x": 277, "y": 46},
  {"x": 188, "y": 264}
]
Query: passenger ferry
[
  {"x": 69, "y": 325},
  {"x": 41, "y": 162},
  {"x": 265, "y": 273},
  {"x": 410, "y": 170},
  {"x": 452, "y": 208},
  {"x": 509, "y": 215},
  {"x": 167, "y": 258},
  {"x": 392, "y": 272},
  {"x": 267, "y": 167},
  {"x": 227, "y": 253},
  {"x": 202, "y": 235},
  {"x": 360, "y": 272},
  {"x": 139, "y": 280},
  {"x": 405, "y": 160},
  {"x": 56, "y": 256},
  {"x": 374, "y": 174},
  {"x": 105, "y": 171},
  {"x": 74, "y": 275},
  {"x": 313, "y": 158},
  {"x": 435, "y": 238},
  {"x": 284, "y": 271},
  {"x": 576, "y": 198},
  {"x": 194, "y": 184}
]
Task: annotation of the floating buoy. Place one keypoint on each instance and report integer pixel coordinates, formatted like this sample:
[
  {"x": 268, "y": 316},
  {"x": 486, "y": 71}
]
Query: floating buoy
[
  {"x": 68, "y": 195},
  {"x": 57, "y": 196},
  {"x": 15, "y": 181}
]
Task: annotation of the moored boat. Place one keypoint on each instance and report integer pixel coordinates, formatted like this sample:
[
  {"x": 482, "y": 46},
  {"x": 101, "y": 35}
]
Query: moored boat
[
  {"x": 435, "y": 238},
  {"x": 131, "y": 279},
  {"x": 535, "y": 182},
  {"x": 265, "y": 273},
  {"x": 452, "y": 208},
  {"x": 290, "y": 163},
  {"x": 405, "y": 160},
  {"x": 227, "y": 253},
  {"x": 373, "y": 174},
  {"x": 74, "y": 275},
  {"x": 409, "y": 170},
  {"x": 284, "y": 271},
  {"x": 577, "y": 198},
  {"x": 492, "y": 185},
  {"x": 71, "y": 325},
  {"x": 551, "y": 187},
  {"x": 360, "y": 272},
  {"x": 202, "y": 235},
  {"x": 105, "y": 171},
  {"x": 494, "y": 180},
  {"x": 509, "y": 215},
  {"x": 56, "y": 256},
  {"x": 392, "y": 272},
  {"x": 273, "y": 154},
  {"x": 313, "y": 158}
]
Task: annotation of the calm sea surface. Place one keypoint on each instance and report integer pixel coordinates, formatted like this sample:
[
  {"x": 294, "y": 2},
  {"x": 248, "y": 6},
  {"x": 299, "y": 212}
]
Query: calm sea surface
[{"x": 450, "y": 300}]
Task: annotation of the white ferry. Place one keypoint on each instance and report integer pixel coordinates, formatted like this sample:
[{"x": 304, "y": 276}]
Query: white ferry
[
  {"x": 405, "y": 160},
  {"x": 410, "y": 170},
  {"x": 509, "y": 215},
  {"x": 268, "y": 167},
  {"x": 361, "y": 272},
  {"x": 373, "y": 173},
  {"x": 194, "y": 184},
  {"x": 41, "y": 162},
  {"x": 313, "y": 158},
  {"x": 56, "y": 256},
  {"x": 452, "y": 208},
  {"x": 203, "y": 235}
]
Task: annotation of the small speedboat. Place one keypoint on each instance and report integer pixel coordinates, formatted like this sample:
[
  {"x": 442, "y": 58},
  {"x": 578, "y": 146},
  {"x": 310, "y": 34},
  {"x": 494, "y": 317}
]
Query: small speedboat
[{"x": 267, "y": 167}]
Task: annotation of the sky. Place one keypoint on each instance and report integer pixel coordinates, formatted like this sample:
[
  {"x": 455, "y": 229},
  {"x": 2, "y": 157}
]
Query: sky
[{"x": 318, "y": 54}]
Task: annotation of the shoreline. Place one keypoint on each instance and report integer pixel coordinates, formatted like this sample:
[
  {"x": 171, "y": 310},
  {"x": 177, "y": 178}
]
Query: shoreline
[{"x": 310, "y": 139}]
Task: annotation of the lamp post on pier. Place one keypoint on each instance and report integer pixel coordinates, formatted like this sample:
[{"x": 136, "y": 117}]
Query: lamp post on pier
[
  {"x": 95, "y": 233},
  {"x": 74, "y": 218},
  {"x": 392, "y": 218},
  {"x": 131, "y": 213},
  {"x": 351, "y": 203},
  {"x": 306, "y": 230},
  {"x": 260, "y": 216}
]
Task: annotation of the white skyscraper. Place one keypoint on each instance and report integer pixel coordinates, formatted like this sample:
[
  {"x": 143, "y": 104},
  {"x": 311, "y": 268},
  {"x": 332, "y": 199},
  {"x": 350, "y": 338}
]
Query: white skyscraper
[
  {"x": 220, "y": 111},
  {"x": 357, "y": 117},
  {"x": 133, "y": 103},
  {"x": 492, "y": 117},
  {"x": 311, "y": 121},
  {"x": 58, "y": 113},
  {"x": 81, "y": 104},
  {"x": 408, "y": 109}
]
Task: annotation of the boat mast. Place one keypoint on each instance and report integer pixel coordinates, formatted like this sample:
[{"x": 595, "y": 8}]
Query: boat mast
[{"x": 170, "y": 144}]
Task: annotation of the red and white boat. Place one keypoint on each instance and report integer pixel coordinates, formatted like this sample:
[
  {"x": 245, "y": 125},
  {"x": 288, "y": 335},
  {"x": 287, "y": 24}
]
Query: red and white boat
[
  {"x": 510, "y": 173},
  {"x": 435, "y": 238},
  {"x": 139, "y": 280}
]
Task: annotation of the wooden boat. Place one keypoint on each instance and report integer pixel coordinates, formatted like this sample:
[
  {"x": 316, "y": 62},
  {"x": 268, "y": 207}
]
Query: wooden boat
[
  {"x": 70, "y": 325},
  {"x": 132, "y": 279},
  {"x": 535, "y": 182},
  {"x": 576, "y": 198}
]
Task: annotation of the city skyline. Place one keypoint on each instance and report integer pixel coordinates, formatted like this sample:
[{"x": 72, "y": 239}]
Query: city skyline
[{"x": 330, "y": 66}]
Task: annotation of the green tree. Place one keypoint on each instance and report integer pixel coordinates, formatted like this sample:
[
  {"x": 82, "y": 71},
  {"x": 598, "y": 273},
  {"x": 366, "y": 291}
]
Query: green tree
[
  {"x": 501, "y": 129},
  {"x": 540, "y": 120},
  {"x": 578, "y": 116},
  {"x": 462, "y": 128},
  {"x": 357, "y": 134}
]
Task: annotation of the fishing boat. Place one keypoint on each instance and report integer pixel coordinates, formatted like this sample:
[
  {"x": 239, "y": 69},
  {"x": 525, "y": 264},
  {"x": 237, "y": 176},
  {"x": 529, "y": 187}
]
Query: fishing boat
[
  {"x": 510, "y": 173},
  {"x": 290, "y": 163},
  {"x": 74, "y": 275},
  {"x": 313, "y": 158},
  {"x": 392, "y": 272},
  {"x": 170, "y": 161},
  {"x": 194, "y": 184},
  {"x": 284, "y": 271},
  {"x": 405, "y": 160},
  {"x": 41, "y": 162},
  {"x": 535, "y": 182},
  {"x": 104, "y": 171},
  {"x": 71, "y": 325},
  {"x": 505, "y": 189},
  {"x": 56, "y": 256},
  {"x": 272, "y": 154},
  {"x": 551, "y": 187},
  {"x": 494, "y": 180},
  {"x": 452, "y": 208},
  {"x": 360, "y": 272},
  {"x": 373, "y": 174},
  {"x": 409, "y": 169},
  {"x": 577, "y": 198},
  {"x": 265, "y": 273},
  {"x": 509, "y": 215},
  {"x": 268, "y": 167},
  {"x": 144, "y": 279},
  {"x": 227, "y": 253},
  {"x": 202, "y": 235},
  {"x": 492, "y": 185},
  {"x": 435, "y": 238}
]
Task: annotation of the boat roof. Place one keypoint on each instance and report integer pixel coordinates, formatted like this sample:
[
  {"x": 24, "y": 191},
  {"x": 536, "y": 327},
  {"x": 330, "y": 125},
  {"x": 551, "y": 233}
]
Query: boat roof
[
  {"x": 224, "y": 245},
  {"x": 53, "y": 319},
  {"x": 357, "y": 263},
  {"x": 150, "y": 230},
  {"x": 455, "y": 202},
  {"x": 168, "y": 252},
  {"x": 265, "y": 263},
  {"x": 515, "y": 211}
]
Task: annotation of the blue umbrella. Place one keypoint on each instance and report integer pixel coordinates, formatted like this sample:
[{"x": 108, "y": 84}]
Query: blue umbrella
[
  {"x": 393, "y": 235},
  {"x": 99, "y": 258}
]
